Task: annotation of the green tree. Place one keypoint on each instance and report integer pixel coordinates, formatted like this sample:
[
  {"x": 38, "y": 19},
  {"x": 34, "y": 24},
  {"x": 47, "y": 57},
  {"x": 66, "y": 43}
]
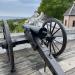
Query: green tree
[
  {"x": 19, "y": 27},
  {"x": 16, "y": 25},
  {"x": 11, "y": 25},
  {"x": 55, "y": 8}
]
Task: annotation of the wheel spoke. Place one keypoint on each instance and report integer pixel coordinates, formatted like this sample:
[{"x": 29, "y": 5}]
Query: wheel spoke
[
  {"x": 56, "y": 46},
  {"x": 53, "y": 27},
  {"x": 58, "y": 42},
  {"x": 58, "y": 36},
  {"x": 47, "y": 28},
  {"x": 50, "y": 48},
  {"x": 56, "y": 31},
  {"x": 50, "y": 27},
  {"x": 53, "y": 48}
]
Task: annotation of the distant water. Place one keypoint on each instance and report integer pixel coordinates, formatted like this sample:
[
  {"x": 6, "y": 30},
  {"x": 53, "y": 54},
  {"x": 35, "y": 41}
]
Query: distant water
[{"x": 9, "y": 17}]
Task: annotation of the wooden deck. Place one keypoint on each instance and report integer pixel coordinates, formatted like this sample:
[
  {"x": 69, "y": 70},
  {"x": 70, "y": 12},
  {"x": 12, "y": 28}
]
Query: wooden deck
[{"x": 29, "y": 62}]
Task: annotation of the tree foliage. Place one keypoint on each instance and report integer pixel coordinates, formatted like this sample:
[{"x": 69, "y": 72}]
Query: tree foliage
[
  {"x": 55, "y": 8},
  {"x": 11, "y": 25},
  {"x": 16, "y": 25}
]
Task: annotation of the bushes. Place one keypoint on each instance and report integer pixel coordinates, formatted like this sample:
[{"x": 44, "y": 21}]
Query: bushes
[
  {"x": 16, "y": 25},
  {"x": 1, "y": 23}
]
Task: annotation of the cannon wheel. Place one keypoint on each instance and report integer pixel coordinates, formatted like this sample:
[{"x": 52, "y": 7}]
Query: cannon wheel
[
  {"x": 9, "y": 47},
  {"x": 56, "y": 38}
]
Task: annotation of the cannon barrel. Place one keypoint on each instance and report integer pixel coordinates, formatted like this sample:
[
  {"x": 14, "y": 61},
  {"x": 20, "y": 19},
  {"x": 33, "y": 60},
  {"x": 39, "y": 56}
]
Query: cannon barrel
[{"x": 40, "y": 32}]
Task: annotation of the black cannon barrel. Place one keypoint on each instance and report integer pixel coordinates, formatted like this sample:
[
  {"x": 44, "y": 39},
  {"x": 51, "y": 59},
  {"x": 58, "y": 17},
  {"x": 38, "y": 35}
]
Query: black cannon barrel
[{"x": 41, "y": 32}]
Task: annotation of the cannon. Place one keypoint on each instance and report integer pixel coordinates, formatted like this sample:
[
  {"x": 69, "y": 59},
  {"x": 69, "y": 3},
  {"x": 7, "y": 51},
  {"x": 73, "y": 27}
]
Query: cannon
[{"x": 49, "y": 40}]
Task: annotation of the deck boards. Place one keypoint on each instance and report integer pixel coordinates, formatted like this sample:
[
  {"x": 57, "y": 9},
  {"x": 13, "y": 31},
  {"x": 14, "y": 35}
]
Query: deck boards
[
  {"x": 29, "y": 62},
  {"x": 71, "y": 72}
]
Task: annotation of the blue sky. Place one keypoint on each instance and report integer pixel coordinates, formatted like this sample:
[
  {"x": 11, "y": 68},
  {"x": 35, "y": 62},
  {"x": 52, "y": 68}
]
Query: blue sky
[{"x": 18, "y": 8}]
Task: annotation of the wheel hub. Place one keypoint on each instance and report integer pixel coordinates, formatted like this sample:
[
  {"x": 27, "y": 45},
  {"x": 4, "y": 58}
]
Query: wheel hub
[{"x": 50, "y": 38}]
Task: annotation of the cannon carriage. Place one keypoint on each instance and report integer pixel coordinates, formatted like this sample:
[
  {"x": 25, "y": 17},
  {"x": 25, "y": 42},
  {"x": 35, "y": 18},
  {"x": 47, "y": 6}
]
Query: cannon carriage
[{"x": 49, "y": 40}]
